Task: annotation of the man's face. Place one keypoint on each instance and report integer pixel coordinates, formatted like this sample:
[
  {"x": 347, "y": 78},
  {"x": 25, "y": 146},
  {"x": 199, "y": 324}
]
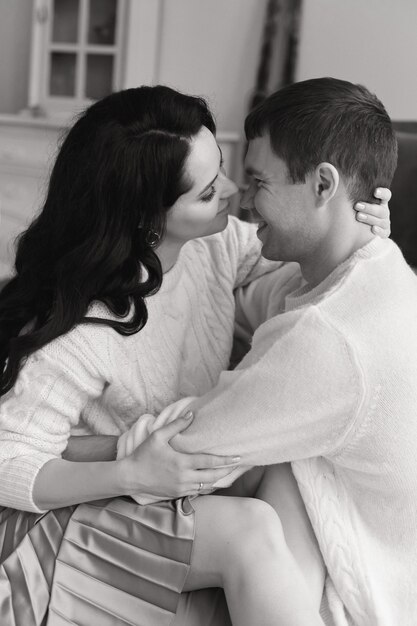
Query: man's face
[{"x": 281, "y": 206}]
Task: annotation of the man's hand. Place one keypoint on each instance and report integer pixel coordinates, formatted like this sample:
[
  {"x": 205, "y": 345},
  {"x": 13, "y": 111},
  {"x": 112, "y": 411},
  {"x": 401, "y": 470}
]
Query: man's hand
[{"x": 376, "y": 215}]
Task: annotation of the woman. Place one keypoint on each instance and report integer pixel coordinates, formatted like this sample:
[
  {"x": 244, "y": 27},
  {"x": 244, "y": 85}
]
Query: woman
[{"x": 106, "y": 304}]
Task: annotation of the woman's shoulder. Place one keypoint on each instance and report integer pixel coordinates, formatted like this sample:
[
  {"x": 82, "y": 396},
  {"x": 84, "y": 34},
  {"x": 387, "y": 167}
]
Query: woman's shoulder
[
  {"x": 239, "y": 232},
  {"x": 237, "y": 236},
  {"x": 99, "y": 310},
  {"x": 85, "y": 344}
]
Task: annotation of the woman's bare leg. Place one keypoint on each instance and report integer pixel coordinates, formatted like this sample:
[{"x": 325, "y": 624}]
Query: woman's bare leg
[
  {"x": 239, "y": 545},
  {"x": 276, "y": 485},
  {"x": 279, "y": 488}
]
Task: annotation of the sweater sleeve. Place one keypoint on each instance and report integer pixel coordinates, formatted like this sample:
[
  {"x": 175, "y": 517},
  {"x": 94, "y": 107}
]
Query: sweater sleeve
[
  {"x": 264, "y": 297},
  {"x": 244, "y": 248},
  {"x": 36, "y": 416},
  {"x": 296, "y": 395}
]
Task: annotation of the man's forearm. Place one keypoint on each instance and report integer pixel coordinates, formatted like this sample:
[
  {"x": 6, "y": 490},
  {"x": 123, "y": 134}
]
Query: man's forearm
[{"x": 91, "y": 448}]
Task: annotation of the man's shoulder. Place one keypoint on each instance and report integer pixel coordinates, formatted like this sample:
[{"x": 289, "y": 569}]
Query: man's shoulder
[
  {"x": 374, "y": 276},
  {"x": 373, "y": 306},
  {"x": 305, "y": 326},
  {"x": 379, "y": 276}
]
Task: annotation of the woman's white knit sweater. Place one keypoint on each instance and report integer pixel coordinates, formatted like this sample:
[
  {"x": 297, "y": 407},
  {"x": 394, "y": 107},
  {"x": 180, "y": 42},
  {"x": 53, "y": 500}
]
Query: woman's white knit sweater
[{"x": 111, "y": 379}]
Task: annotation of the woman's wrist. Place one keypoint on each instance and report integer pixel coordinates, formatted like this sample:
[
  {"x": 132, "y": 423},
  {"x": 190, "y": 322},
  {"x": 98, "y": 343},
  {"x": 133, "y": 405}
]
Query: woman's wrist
[{"x": 127, "y": 476}]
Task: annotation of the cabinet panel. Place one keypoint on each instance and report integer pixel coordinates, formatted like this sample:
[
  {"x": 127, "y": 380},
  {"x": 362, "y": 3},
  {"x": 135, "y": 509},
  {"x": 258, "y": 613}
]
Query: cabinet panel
[
  {"x": 26, "y": 153},
  {"x": 20, "y": 195},
  {"x": 10, "y": 228},
  {"x": 65, "y": 21}
]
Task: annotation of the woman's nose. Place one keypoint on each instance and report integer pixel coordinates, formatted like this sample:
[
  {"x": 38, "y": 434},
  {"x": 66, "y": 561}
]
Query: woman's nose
[{"x": 229, "y": 188}]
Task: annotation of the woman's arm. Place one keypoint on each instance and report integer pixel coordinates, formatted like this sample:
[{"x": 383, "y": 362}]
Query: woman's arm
[
  {"x": 154, "y": 468},
  {"x": 61, "y": 483}
]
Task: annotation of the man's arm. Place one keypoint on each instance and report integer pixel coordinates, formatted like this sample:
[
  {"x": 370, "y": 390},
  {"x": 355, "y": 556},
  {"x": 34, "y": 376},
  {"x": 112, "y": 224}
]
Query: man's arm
[
  {"x": 296, "y": 395},
  {"x": 91, "y": 448}
]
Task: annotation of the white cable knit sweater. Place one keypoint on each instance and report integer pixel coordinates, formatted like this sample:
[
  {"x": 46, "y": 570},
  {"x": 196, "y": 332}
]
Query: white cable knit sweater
[
  {"x": 331, "y": 385},
  {"x": 111, "y": 379}
]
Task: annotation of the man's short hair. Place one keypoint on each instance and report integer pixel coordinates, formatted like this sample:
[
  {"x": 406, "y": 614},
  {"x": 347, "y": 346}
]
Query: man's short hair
[{"x": 326, "y": 119}]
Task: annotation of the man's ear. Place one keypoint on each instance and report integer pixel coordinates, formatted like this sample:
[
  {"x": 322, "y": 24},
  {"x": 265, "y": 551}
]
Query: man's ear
[{"x": 326, "y": 182}]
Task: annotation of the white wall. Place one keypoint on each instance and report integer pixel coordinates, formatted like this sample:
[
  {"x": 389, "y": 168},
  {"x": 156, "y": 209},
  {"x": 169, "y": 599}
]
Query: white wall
[
  {"x": 212, "y": 48},
  {"x": 373, "y": 42}
]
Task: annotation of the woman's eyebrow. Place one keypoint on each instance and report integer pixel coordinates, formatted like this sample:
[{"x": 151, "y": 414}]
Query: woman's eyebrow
[{"x": 208, "y": 186}]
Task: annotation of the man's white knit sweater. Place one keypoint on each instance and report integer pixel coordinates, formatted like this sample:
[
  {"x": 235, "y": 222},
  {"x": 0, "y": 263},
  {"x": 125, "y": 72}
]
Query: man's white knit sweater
[
  {"x": 111, "y": 379},
  {"x": 331, "y": 385}
]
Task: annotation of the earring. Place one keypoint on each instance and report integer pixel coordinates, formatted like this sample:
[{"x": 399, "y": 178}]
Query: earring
[{"x": 152, "y": 238}]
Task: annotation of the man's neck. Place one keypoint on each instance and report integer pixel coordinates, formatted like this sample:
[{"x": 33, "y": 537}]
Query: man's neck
[{"x": 335, "y": 248}]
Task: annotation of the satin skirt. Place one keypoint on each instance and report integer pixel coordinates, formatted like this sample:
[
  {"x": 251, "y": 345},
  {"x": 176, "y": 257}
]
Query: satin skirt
[{"x": 106, "y": 563}]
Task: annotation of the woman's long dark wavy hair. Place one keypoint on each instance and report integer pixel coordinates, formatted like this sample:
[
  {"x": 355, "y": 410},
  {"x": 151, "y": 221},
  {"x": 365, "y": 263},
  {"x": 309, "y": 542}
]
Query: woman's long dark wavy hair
[{"x": 119, "y": 170}]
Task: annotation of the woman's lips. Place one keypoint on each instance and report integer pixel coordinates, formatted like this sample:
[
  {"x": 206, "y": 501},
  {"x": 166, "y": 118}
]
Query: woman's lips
[
  {"x": 261, "y": 226},
  {"x": 225, "y": 209}
]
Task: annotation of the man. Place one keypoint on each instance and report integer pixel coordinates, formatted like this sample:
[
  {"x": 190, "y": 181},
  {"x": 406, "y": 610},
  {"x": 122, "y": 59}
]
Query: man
[{"x": 331, "y": 375}]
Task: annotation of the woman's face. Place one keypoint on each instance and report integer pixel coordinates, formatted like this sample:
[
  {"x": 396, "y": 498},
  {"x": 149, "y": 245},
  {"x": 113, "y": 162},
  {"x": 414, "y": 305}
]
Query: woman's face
[{"x": 203, "y": 210}]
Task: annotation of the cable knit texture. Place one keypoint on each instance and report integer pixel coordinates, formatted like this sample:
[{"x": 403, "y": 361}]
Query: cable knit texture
[
  {"x": 330, "y": 384},
  {"x": 111, "y": 380}
]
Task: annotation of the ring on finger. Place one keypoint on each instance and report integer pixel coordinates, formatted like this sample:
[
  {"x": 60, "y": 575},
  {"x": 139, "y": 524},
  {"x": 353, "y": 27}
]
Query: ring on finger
[{"x": 200, "y": 486}]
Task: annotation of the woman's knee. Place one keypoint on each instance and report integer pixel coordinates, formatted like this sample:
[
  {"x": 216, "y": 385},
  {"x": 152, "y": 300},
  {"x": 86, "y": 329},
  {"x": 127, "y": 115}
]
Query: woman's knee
[
  {"x": 232, "y": 533},
  {"x": 257, "y": 530}
]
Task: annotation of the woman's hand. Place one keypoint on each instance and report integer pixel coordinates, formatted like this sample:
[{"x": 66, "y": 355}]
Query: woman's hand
[
  {"x": 155, "y": 468},
  {"x": 376, "y": 215}
]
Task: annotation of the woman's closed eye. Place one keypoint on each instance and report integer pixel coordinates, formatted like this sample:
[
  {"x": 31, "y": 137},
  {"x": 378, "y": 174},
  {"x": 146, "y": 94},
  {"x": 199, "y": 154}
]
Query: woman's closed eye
[{"x": 210, "y": 195}]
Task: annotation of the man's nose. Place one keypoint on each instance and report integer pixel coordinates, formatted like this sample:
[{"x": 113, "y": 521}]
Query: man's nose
[{"x": 247, "y": 199}]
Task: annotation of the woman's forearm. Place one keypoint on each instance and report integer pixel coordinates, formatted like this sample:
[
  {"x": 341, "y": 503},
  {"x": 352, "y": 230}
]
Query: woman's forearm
[
  {"x": 91, "y": 448},
  {"x": 62, "y": 483}
]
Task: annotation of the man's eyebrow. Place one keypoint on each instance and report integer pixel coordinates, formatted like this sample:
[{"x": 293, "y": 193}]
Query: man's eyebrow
[
  {"x": 251, "y": 171},
  {"x": 215, "y": 178}
]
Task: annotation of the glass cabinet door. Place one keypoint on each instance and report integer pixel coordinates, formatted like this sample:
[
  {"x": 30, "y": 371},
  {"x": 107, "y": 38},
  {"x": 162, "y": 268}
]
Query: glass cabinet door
[
  {"x": 81, "y": 51},
  {"x": 102, "y": 22},
  {"x": 65, "y": 19}
]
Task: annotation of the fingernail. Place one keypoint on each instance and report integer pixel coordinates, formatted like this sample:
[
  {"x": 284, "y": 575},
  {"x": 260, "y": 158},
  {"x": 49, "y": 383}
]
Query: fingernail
[
  {"x": 189, "y": 415},
  {"x": 362, "y": 216},
  {"x": 376, "y": 230},
  {"x": 359, "y": 206},
  {"x": 378, "y": 193},
  {"x": 236, "y": 459}
]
